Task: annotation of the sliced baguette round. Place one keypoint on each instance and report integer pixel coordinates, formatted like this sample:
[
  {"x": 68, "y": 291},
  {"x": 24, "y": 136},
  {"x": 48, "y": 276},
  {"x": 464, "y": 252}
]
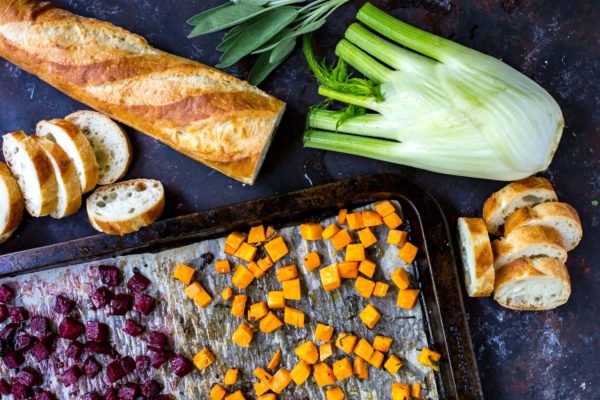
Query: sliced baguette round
[
  {"x": 67, "y": 181},
  {"x": 524, "y": 193},
  {"x": 477, "y": 256},
  {"x": 533, "y": 284},
  {"x": 68, "y": 136},
  {"x": 33, "y": 170},
  {"x": 126, "y": 207},
  {"x": 528, "y": 241},
  {"x": 560, "y": 216},
  {"x": 110, "y": 143},
  {"x": 11, "y": 203}
]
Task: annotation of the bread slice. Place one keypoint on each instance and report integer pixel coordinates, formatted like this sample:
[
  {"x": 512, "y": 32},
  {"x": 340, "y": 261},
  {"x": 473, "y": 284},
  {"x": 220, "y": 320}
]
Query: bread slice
[
  {"x": 67, "y": 181},
  {"x": 560, "y": 216},
  {"x": 126, "y": 207},
  {"x": 477, "y": 256},
  {"x": 68, "y": 136},
  {"x": 524, "y": 193},
  {"x": 533, "y": 284},
  {"x": 109, "y": 141},
  {"x": 35, "y": 175},
  {"x": 528, "y": 241},
  {"x": 11, "y": 203}
]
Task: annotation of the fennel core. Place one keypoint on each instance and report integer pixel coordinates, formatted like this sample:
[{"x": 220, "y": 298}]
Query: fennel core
[{"x": 442, "y": 107}]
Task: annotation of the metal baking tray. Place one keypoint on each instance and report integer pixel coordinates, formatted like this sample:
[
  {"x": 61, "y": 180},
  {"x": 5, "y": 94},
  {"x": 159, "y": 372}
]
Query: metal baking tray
[{"x": 435, "y": 266}]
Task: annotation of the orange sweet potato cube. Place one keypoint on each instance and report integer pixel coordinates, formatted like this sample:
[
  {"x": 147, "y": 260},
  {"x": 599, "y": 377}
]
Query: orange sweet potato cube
[
  {"x": 342, "y": 369},
  {"x": 345, "y": 342},
  {"x": 384, "y": 208},
  {"x": 229, "y": 250},
  {"x": 430, "y": 358},
  {"x": 262, "y": 375},
  {"x": 376, "y": 359},
  {"x": 325, "y": 351},
  {"x": 355, "y": 221},
  {"x": 308, "y": 352},
  {"x": 203, "y": 359},
  {"x": 400, "y": 278},
  {"x": 276, "y": 248},
  {"x": 363, "y": 349},
  {"x": 293, "y": 317},
  {"x": 275, "y": 299},
  {"x": 231, "y": 376},
  {"x": 323, "y": 332},
  {"x": 408, "y": 252},
  {"x": 255, "y": 269},
  {"x": 243, "y": 335},
  {"x": 397, "y": 238},
  {"x": 341, "y": 239},
  {"x": 261, "y": 388},
  {"x": 270, "y": 323},
  {"x": 300, "y": 372},
  {"x": 281, "y": 380},
  {"x": 371, "y": 218},
  {"x": 360, "y": 368},
  {"x": 364, "y": 287},
  {"x": 203, "y": 299},
  {"x": 342, "y": 216},
  {"x": 323, "y": 375},
  {"x": 367, "y": 267},
  {"x": 257, "y": 234},
  {"x": 370, "y": 316},
  {"x": 355, "y": 252},
  {"x": 367, "y": 237},
  {"x": 415, "y": 390},
  {"x": 197, "y": 293},
  {"x": 392, "y": 220},
  {"x": 246, "y": 252},
  {"x": 274, "y": 362},
  {"x": 227, "y": 293},
  {"x": 267, "y": 396},
  {"x": 392, "y": 364},
  {"x": 330, "y": 231},
  {"x": 217, "y": 392},
  {"x": 265, "y": 263},
  {"x": 311, "y": 231},
  {"x": 257, "y": 311},
  {"x": 407, "y": 298},
  {"x": 330, "y": 277},
  {"x": 222, "y": 266},
  {"x": 400, "y": 391},
  {"x": 235, "y": 240},
  {"x": 382, "y": 343},
  {"x": 312, "y": 261},
  {"x": 237, "y": 395},
  {"x": 242, "y": 277},
  {"x": 287, "y": 272},
  {"x": 184, "y": 273},
  {"x": 348, "y": 269},
  {"x": 335, "y": 393},
  {"x": 238, "y": 307},
  {"x": 381, "y": 289},
  {"x": 291, "y": 289},
  {"x": 192, "y": 290}
]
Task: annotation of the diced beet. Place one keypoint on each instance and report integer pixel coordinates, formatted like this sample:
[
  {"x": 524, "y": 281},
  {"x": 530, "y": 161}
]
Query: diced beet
[
  {"x": 4, "y": 387},
  {"x": 70, "y": 328},
  {"x": 39, "y": 324},
  {"x": 120, "y": 304},
  {"x": 6, "y": 294},
  {"x": 151, "y": 388},
  {"x": 18, "y": 314},
  {"x": 63, "y": 305},
  {"x": 74, "y": 350},
  {"x": 132, "y": 328},
  {"x": 181, "y": 366},
  {"x": 91, "y": 396},
  {"x": 70, "y": 376},
  {"x": 91, "y": 367},
  {"x": 143, "y": 303},
  {"x": 20, "y": 391},
  {"x": 29, "y": 377},
  {"x": 157, "y": 341},
  {"x": 98, "y": 348},
  {"x": 40, "y": 352},
  {"x": 13, "y": 360},
  {"x": 109, "y": 275},
  {"x": 158, "y": 358},
  {"x": 138, "y": 283},
  {"x": 114, "y": 371},
  {"x": 128, "y": 364},
  {"x": 164, "y": 397},
  {"x": 44, "y": 396},
  {"x": 141, "y": 363},
  {"x": 49, "y": 339},
  {"x": 96, "y": 331},
  {"x": 8, "y": 332},
  {"x": 3, "y": 313},
  {"x": 101, "y": 297},
  {"x": 24, "y": 342},
  {"x": 5, "y": 348},
  {"x": 110, "y": 394},
  {"x": 129, "y": 391}
]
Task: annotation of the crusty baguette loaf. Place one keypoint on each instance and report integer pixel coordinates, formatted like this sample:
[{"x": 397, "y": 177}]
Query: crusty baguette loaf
[
  {"x": 126, "y": 207},
  {"x": 529, "y": 241},
  {"x": 524, "y": 193},
  {"x": 11, "y": 203},
  {"x": 477, "y": 256},
  {"x": 533, "y": 284},
  {"x": 68, "y": 186},
  {"x": 111, "y": 145},
  {"x": 559, "y": 216},
  {"x": 204, "y": 113},
  {"x": 35, "y": 175},
  {"x": 68, "y": 136}
]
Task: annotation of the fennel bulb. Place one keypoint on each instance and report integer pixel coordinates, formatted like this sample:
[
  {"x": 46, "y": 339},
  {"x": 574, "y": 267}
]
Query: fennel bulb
[{"x": 449, "y": 109}]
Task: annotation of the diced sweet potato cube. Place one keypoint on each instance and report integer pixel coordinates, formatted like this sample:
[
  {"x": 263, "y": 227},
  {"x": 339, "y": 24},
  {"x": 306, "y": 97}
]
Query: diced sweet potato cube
[
  {"x": 243, "y": 335},
  {"x": 341, "y": 239},
  {"x": 330, "y": 277},
  {"x": 370, "y": 316},
  {"x": 229, "y": 250},
  {"x": 367, "y": 237},
  {"x": 342, "y": 216},
  {"x": 323, "y": 375},
  {"x": 262, "y": 375},
  {"x": 255, "y": 269},
  {"x": 293, "y": 317},
  {"x": 392, "y": 220},
  {"x": 323, "y": 332},
  {"x": 348, "y": 269},
  {"x": 271, "y": 232},
  {"x": 330, "y": 231},
  {"x": 355, "y": 252},
  {"x": 312, "y": 261},
  {"x": 311, "y": 231},
  {"x": 364, "y": 287},
  {"x": 192, "y": 290},
  {"x": 308, "y": 352},
  {"x": 345, "y": 342},
  {"x": 371, "y": 218},
  {"x": 231, "y": 376},
  {"x": 275, "y": 360},
  {"x": 400, "y": 391},
  {"x": 242, "y": 277},
  {"x": 381, "y": 289},
  {"x": 203, "y": 359},
  {"x": 392, "y": 364},
  {"x": 325, "y": 351},
  {"x": 265, "y": 263},
  {"x": 397, "y": 238},
  {"x": 257, "y": 311},
  {"x": 281, "y": 380},
  {"x": 291, "y": 289},
  {"x": 217, "y": 392},
  {"x": 257, "y": 234},
  {"x": 202, "y": 298},
  {"x": 363, "y": 349},
  {"x": 246, "y": 252},
  {"x": 300, "y": 372},
  {"x": 360, "y": 368},
  {"x": 267, "y": 396},
  {"x": 237, "y": 395},
  {"x": 382, "y": 343},
  {"x": 184, "y": 273},
  {"x": 270, "y": 323},
  {"x": 376, "y": 359},
  {"x": 415, "y": 390},
  {"x": 342, "y": 369},
  {"x": 287, "y": 272},
  {"x": 275, "y": 299},
  {"x": 276, "y": 248},
  {"x": 367, "y": 267},
  {"x": 227, "y": 293},
  {"x": 222, "y": 266},
  {"x": 401, "y": 278},
  {"x": 408, "y": 252},
  {"x": 430, "y": 358},
  {"x": 235, "y": 240},
  {"x": 261, "y": 388},
  {"x": 384, "y": 208},
  {"x": 355, "y": 221},
  {"x": 238, "y": 307},
  {"x": 335, "y": 393},
  {"x": 407, "y": 298}
]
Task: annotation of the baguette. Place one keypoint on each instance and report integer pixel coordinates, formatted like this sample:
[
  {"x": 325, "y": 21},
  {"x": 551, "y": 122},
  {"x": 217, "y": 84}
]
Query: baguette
[
  {"x": 126, "y": 207},
  {"x": 533, "y": 284},
  {"x": 35, "y": 175},
  {"x": 11, "y": 203},
  {"x": 524, "y": 193},
  {"x": 530, "y": 241},
  {"x": 559, "y": 216},
  {"x": 68, "y": 136},
  {"x": 201, "y": 112},
  {"x": 477, "y": 257}
]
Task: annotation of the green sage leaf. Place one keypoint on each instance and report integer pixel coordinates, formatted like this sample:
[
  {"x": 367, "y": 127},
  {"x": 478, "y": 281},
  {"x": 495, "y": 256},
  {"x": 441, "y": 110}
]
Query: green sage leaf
[
  {"x": 199, "y": 17},
  {"x": 225, "y": 17},
  {"x": 265, "y": 65},
  {"x": 289, "y": 34}
]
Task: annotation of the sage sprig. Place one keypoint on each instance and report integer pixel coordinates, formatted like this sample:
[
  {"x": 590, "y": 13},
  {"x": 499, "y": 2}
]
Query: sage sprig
[{"x": 269, "y": 28}]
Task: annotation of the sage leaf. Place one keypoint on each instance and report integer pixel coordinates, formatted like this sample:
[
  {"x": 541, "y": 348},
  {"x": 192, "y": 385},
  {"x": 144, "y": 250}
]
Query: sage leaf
[
  {"x": 280, "y": 49},
  {"x": 289, "y": 34},
  {"x": 265, "y": 65},
  {"x": 224, "y": 18},
  {"x": 198, "y": 17},
  {"x": 234, "y": 34}
]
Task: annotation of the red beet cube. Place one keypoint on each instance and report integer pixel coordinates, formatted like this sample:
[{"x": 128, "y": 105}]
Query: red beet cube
[
  {"x": 96, "y": 331},
  {"x": 70, "y": 328},
  {"x": 98, "y": 348},
  {"x": 143, "y": 303},
  {"x": 4, "y": 387},
  {"x": 141, "y": 363},
  {"x": 13, "y": 360},
  {"x": 18, "y": 314},
  {"x": 132, "y": 328},
  {"x": 129, "y": 391},
  {"x": 8, "y": 332},
  {"x": 39, "y": 324},
  {"x": 91, "y": 396},
  {"x": 74, "y": 350},
  {"x": 40, "y": 352},
  {"x": 151, "y": 388},
  {"x": 114, "y": 371},
  {"x": 120, "y": 304},
  {"x": 110, "y": 394},
  {"x": 44, "y": 396},
  {"x": 24, "y": 342},
  {"x": 63, "y": 305},
  {"x": 158, "y": 358},
  {"x": 138, "y": 283},
  {"x": 6, "y": 294},
  {"x": 109, "y": 275},
  {"x": 181, "y": 366},
  {"x": 128, "y": 364},
  {"x": 91, "y": 367},
  {"x": 101, "y": 297},
  {"x": 157, "y": 341},
  {"x": 70, "y": 376},
  {"x": 20, "y": 391},
  {"x": 29, "y": 377},
  {"x": 49, "y": 339},
  {"x": 3, "y": 313}
]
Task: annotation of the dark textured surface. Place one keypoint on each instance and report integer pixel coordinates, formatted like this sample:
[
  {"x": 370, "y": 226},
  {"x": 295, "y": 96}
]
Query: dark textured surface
[{"x": 547, "y": 355}]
